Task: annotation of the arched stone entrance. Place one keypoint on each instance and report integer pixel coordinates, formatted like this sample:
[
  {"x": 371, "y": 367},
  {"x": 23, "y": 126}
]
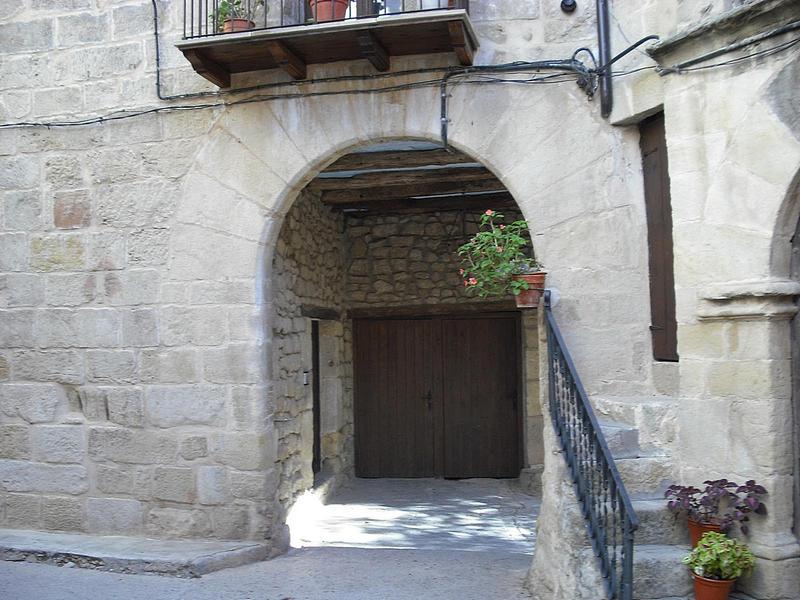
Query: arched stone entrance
[
  {"x": 255, "y": 163},
  {"x": 383, "y": 279}
]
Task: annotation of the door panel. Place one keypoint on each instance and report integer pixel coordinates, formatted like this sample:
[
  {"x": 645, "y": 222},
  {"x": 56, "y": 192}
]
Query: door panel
[
  {"x": 437, "y": 397},
  {"x": 395, "y": 362},
  {"x": 480, "y": 383}
]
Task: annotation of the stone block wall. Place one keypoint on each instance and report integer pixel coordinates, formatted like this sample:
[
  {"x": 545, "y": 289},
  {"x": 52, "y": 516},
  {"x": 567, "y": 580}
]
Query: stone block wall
[
  {"x": 129, "y": 399},
  {"x": 308, "y": 269},
  {"x": 409, "y": 259}
]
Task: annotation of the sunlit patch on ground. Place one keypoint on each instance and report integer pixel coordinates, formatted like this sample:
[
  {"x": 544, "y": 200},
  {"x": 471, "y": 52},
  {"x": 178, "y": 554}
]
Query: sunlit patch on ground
[{"x": 422, "y": 514}]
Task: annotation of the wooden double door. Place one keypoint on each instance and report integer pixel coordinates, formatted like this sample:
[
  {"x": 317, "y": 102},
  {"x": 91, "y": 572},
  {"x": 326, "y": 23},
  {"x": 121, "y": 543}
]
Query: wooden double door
[{"x": 437, "y": 396}]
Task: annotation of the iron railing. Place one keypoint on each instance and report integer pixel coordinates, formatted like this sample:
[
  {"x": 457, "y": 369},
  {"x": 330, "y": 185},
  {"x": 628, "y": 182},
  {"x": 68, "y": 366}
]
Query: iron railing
[
  {"x": 605, "y": 503},
  {"x": 216, "y": 17}
]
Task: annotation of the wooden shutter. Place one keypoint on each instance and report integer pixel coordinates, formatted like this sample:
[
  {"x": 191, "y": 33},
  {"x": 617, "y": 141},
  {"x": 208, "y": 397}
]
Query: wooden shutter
[{"x": 659, "y": 238}]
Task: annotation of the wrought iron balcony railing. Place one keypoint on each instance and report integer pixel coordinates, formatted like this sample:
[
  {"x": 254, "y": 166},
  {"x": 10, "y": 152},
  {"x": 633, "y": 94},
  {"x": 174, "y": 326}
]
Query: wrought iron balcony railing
[
  {"x": 202, "y": 18},
  {"x": 604, "y": 501}
]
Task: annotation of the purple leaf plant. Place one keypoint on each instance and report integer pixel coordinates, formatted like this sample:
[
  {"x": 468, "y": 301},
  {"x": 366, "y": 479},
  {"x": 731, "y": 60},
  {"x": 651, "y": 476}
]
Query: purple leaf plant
[{"x": 722, "y": 502}]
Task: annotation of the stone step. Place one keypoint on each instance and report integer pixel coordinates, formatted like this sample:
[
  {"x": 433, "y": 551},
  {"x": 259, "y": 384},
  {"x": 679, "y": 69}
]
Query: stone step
[
  {"x": 657, "y": 525},
  {"x": 645, "y": 477},
  {"x": 622, "y": 440},
  {"x": 121, "y": 554},
  {"x": 659, "y": 573},
  {"x": 654, "y": 416}
]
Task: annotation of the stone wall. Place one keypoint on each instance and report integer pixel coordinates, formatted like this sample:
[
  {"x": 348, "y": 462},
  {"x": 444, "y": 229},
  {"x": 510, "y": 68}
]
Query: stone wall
[
  {"x": 137, "y": 390},
  {"x": 308, "y": 270},
  {"x": 409, "y": 259}
]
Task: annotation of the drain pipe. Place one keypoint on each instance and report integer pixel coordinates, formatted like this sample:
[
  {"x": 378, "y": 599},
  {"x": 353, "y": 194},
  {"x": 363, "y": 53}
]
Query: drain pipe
[{"x": 604, "y": 58}]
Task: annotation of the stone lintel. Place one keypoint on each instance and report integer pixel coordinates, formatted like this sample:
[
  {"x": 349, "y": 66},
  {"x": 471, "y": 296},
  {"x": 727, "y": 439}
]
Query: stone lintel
[{"x": 750, "y": 300}]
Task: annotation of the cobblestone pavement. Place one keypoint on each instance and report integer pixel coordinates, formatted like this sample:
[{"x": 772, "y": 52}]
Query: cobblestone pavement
[{"x": 375, "y": 539}]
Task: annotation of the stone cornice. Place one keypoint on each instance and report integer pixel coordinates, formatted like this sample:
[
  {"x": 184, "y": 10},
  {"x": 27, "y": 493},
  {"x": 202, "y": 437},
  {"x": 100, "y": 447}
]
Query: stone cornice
[
  {"x": 750, "y": 299},
  {"x": 741, "y": 21}
]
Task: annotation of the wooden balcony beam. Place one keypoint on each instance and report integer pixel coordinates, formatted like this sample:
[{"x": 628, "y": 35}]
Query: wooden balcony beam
[
  {"x": 206, "y": 67},
  {"x": 286, "y": 59},
  {"x": 373, "y": 50},
  {"x": 462, "y": 45}
]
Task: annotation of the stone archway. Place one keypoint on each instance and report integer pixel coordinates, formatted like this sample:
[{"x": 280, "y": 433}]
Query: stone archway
[
  {"x": 337, "y": 267},
  {"x": 259, "y": 157}
]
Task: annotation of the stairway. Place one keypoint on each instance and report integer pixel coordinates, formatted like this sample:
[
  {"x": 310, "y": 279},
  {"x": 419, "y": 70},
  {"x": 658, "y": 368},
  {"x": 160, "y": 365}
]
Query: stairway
[{"x": 638, "y": 432}]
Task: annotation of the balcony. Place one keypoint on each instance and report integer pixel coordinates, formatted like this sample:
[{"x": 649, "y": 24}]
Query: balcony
[{"x": 222, "y": 37}]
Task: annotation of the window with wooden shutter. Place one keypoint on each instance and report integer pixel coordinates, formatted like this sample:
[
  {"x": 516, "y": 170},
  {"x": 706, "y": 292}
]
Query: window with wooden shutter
[{"x": 663, "y": 326}]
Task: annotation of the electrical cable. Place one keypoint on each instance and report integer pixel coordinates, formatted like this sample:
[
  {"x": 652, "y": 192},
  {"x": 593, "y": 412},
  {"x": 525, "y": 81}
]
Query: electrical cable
[{"x": 571, "y": 70}]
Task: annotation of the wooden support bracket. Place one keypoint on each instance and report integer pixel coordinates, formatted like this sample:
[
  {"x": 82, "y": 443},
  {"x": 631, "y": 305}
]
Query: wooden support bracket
[
  {"x": 206, "y": 67},
  {"x": 286, "y": 59},
  {"x": 462, "y": 45},
  {"x": 373, "y": 50}
]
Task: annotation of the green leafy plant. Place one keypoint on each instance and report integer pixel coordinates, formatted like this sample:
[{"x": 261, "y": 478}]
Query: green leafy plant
[
  {"x": 494, "y": 255},
  {"x": 720, "y": 557},
  {"x": 233, "y": 9}
]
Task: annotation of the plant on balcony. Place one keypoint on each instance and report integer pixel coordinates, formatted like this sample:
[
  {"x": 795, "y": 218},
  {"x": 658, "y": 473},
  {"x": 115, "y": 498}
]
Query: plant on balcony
[
  {"x": 495, "y": 262},
  {"x": 716, "y": 563},
  {"x": 328, "y": 10},
  {"x": 717, "y": 507},
  {"x": 234, "y": 15}
]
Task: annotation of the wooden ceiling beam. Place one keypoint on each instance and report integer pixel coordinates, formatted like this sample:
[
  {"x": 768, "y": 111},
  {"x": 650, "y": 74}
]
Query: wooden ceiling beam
[
  {"x": 402, "y": 178},
  {"x": 399, "y": 192},
  {"x": 360, "y": 161},
  {"x": 499, "y": 201}
]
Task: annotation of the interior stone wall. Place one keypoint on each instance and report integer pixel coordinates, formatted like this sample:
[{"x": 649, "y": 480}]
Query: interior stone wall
[
  {"x": 308, "y": 269},
  {"x": 409, "y": 259}
]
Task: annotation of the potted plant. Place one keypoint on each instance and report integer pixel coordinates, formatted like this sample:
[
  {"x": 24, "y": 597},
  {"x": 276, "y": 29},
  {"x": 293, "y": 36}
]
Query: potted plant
[
  {"x": 235, "y": 15},
  {"x": 495, "y": 263},
  {"x": 328, "y": 10},
  {"x": 716, "y": 563},
  {"x": 717, "y": 507}
]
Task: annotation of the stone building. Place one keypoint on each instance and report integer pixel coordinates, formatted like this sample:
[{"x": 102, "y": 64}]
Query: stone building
[{"x": 182, "y": 264}]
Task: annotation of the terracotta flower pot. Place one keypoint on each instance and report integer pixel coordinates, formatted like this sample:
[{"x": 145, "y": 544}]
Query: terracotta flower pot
[
  {"x": 237, "y": 24},
  {"x": 697, "y": 529},
  {"x": 712, "y": 589},
  {"x": 328, "y": 10},
  {"x": 530, "y": 298}
]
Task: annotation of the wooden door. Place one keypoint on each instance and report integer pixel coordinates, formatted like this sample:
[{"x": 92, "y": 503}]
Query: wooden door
[
  {"x": 437, "y": 397},
  {"x": 481, "y": 397},
  {"x": 655, "y": 171},
  {"x": 396, "y": 365}
]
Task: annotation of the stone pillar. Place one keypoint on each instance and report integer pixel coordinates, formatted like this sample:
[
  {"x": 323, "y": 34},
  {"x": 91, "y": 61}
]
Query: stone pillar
[
  {"x": 531, "y": 475},
  {"x": 736, "y": 414}
]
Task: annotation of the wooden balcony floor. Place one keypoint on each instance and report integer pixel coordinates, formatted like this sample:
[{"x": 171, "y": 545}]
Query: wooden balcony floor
[{"x": 292, "y": 48}]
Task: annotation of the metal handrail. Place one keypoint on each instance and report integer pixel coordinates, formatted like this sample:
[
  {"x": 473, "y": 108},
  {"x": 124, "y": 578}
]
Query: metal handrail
[
  {"x": 604, "y": 501},
  {"x": 202, "y": 18}
]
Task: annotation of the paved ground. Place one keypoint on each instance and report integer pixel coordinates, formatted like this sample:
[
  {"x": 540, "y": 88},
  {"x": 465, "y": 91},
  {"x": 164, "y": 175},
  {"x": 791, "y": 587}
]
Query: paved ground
[{"x": 376, "y": 539}]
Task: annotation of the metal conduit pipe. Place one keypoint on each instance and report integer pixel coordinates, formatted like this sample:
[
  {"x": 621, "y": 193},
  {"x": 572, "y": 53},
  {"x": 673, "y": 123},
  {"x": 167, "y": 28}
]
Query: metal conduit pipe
[{"x": 604, "y": 58}]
